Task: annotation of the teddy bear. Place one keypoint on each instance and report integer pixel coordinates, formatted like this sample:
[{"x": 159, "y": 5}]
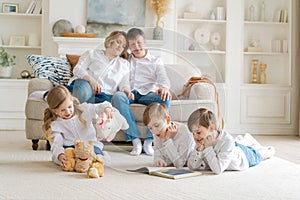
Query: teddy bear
[
  {"x": 96, "y": 169},
  {"x": 107, "y": 128},
  {"x": 84, "y": 154},
  {"x": 70, "y": 155}
]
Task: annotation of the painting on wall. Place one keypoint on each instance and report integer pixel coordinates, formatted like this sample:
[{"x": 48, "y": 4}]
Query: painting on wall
[{"x": 105, "y": 16}]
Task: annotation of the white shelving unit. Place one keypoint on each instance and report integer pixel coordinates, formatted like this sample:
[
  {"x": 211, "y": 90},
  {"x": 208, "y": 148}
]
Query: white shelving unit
[
  {"x": 269, "y": 103},
  {"x": 14, "y": 90},
  {"x": 31, "y": 24},
  {"x": 211, "y": 61}
]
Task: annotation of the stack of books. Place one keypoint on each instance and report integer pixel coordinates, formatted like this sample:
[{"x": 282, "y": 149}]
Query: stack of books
[{"x": 35, "y": 7}]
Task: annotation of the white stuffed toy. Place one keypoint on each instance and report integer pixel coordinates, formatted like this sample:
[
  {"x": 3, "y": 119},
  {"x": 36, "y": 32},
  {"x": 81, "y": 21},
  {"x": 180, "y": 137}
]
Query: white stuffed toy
[{"x": 107, "y": 128}]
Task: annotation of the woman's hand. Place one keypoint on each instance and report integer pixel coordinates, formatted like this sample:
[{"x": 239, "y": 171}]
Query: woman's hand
[
  {"x": 96, "y": 87},
  {"x": 160, "y": 163},
  {"x": 165, "y": 94},
  {"x": 63, "y": 160},
  {"x": 128, "y": 93}
]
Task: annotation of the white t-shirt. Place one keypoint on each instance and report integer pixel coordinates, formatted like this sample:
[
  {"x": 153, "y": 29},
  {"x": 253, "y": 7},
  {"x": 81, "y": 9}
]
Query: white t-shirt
[
  {"x": 147, "y": 74},
  {"x": 177, "y": 149}
]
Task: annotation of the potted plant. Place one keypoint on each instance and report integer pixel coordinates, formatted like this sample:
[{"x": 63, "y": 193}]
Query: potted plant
[{"x": 6, "y": 63}]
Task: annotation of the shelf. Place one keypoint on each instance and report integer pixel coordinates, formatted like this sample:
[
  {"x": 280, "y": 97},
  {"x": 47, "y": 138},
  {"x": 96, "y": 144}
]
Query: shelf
[
  {"x": 20, "y": 15},
  {"x": 264, "y": 86},
  {"x": 202, "y": 52},
  {"x": 196, "y": 21},
  {"x": 266, "y": 23},
  {"x": 21, "y": 47},
  {"x": 266, "y": 53}
]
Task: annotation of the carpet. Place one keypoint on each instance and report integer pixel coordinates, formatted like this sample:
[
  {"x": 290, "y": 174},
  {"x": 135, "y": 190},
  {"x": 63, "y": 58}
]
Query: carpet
[{"x": 27, "y": 174}]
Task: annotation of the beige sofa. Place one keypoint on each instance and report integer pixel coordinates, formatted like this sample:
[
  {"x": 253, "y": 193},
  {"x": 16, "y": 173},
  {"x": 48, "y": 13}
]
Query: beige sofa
[{"x": 201, "y": 95}]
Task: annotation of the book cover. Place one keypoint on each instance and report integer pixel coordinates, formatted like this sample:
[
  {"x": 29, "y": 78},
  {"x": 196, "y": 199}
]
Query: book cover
[{"x": 167, "y": 172}]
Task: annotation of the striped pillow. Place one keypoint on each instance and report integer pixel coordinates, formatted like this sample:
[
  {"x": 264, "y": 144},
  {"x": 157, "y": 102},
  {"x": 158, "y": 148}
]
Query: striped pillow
[{"x": 57, "y": 70}]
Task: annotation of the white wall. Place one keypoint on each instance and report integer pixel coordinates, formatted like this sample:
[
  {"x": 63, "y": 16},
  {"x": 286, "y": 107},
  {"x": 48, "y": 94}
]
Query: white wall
[{"x": 75, "y": 12}]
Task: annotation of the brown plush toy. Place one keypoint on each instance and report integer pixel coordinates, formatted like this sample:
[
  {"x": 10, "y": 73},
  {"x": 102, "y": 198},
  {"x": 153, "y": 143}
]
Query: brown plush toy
[
  {"x": 84, "y": 153},
  {"x": 70, "y": 155},
  {"x": 96, "y": 169}
]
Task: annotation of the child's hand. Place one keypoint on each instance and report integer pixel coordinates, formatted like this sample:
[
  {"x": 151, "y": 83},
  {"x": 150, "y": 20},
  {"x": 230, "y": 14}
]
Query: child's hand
[
  {"x": 200, "y": 147},
  {"x": 160, "y": 163},
  {"x": 171, "y": 131},
  {"x": 63, "y": 159},
  {"x": 108, "y": 112},
  {"x": 208, "y": 141}
]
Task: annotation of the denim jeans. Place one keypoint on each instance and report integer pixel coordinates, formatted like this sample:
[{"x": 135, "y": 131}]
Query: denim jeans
[
  {"x": 147, "y": 100},
  {"x": 81, "y": 89}
]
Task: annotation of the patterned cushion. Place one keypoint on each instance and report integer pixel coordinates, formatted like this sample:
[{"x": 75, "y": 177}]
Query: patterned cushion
[{"x": 57, "y": 70}]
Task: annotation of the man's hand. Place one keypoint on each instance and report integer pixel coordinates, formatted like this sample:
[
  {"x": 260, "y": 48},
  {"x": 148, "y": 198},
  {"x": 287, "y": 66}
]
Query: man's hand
[{"x": 164, "y": 94}]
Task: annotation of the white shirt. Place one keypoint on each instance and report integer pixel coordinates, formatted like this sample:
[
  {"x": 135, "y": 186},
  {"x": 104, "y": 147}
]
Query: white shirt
[
  {"x": 111, "y": 75},
  {"x": 177, "y": 149},
  {"x": 66, "y": 131},
  {"x": 223, "y": 155},
  {"x": 148, "y": 74}
]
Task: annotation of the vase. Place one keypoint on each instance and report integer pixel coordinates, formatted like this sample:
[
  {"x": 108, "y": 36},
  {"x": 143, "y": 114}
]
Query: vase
[
  {"x": 5, "y": 72},
  {"x": 158, "y": 33}
]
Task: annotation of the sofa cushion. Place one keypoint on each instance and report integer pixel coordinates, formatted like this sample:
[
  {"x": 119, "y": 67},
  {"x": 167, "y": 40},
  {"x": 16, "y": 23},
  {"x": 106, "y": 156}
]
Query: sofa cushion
[
  {"x": 73, "y": 59},
  {"x": 57, "y": 70}
]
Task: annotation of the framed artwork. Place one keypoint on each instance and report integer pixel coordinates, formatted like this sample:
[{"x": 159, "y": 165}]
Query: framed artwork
[
  {"x": 10, "y": 7},
  {"x": 17, "y": 40},
  {"x": 104, "y": 16}
]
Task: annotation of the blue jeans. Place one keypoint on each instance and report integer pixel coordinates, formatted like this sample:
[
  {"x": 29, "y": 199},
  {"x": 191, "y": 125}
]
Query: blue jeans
[
  {"x": 147, "y": 100},
  {"x": 253, "y": 156},
  {"x": 81, "y": 89}
]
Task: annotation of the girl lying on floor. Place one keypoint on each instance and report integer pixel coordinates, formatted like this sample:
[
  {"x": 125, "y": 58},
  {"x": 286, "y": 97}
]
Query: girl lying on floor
[{"x": 217, "y": 150}]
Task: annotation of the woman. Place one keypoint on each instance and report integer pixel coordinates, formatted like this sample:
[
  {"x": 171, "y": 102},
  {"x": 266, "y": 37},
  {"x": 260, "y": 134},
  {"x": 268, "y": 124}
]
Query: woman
[{"x": 102, "y": 75}]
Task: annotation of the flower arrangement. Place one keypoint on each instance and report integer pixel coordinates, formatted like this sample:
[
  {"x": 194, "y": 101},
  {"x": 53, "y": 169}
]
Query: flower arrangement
[
  {"x": 6, "y": 59},
  {"x": 160, "y": 7}
]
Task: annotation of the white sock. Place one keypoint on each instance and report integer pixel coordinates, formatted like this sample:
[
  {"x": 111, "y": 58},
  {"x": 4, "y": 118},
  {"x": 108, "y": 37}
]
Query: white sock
[
  {"x": 251, "y": 141},
  {"x": 137, "y": 147},
  {"x": 107, "y": 158},
  {"x": 148, "y": 149}
]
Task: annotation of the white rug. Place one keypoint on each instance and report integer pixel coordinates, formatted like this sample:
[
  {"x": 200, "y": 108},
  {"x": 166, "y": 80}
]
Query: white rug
[{"x": 27, "y": 174}]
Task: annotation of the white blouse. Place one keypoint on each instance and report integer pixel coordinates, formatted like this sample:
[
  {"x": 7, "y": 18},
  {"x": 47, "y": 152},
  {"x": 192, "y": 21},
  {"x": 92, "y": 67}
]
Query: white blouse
[
  {"x": 177, "y": 149},
  {"x": 112, "y": 75},
  {"x": 223, "y": 155},
  {"x": 67, "y": 131},
  {"x": 148, "y": 74}
]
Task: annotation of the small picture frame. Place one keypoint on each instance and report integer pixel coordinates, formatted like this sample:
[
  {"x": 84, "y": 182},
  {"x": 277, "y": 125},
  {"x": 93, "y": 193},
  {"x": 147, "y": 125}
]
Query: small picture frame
[
  {"x": 10, "y": 7},
  {"x": 17, "y": 40}
]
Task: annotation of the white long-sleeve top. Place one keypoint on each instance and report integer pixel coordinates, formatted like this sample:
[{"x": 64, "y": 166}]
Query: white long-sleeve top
[
  {"x": 148, "y": 74},
  {"x": 223, "y": 155},
  {"x": 66, "y": 131},
  {"x": 111, "y": 75},
  {"x": 177, "y": 149}
]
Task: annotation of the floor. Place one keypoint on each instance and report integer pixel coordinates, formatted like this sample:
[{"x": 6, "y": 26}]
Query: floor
[{"x": 287, "y": 147}]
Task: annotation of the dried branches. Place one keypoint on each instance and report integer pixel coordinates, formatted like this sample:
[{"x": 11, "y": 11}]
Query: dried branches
[{"x": 160, "y": 7}]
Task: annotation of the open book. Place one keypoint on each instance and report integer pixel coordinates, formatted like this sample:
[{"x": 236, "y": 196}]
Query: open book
[{"x": 167, "y": 172}]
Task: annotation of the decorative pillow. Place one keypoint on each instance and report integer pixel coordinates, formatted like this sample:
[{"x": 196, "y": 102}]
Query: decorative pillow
[
  {"x": 73, "y": 59},
  {"x": 57, "y": 70}
]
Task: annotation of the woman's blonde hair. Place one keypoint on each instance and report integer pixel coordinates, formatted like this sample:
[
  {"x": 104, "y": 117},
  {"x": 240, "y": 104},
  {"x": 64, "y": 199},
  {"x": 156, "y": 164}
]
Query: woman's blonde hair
[
  {"x": 155, "y": 110},
  {"x": 112, "y": 36},
  {"x": 202, "y": 117},
  {"x": 55, "y": 98}
]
